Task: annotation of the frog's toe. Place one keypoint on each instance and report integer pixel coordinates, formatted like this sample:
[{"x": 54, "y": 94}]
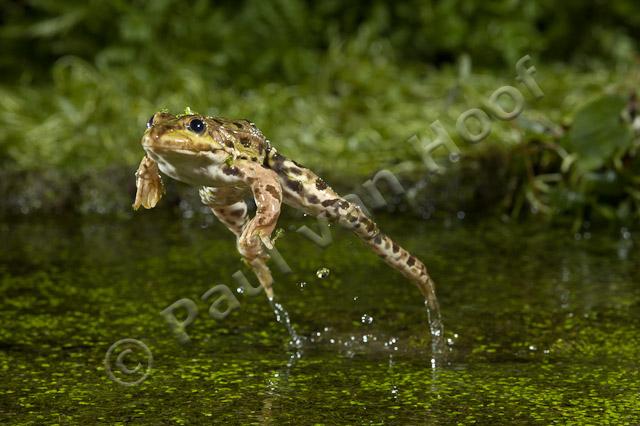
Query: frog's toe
[{"x": 266, "y": 241}]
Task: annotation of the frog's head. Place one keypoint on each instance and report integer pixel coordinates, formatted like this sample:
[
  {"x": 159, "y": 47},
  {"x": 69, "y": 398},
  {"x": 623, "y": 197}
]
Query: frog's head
[
  {"x": 190, "y": 133},
  {"x": 186, "y": 147}
]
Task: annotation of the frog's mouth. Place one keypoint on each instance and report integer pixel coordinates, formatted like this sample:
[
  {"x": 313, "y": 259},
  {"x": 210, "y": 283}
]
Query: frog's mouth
[{"x": 176, "y": 144}]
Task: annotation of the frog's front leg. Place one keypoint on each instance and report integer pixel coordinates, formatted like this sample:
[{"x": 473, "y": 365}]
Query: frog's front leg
[{"x": 149, "y": 188}]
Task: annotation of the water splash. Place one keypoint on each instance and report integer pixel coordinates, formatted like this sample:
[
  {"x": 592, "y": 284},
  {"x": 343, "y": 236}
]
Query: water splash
[
  {"x": 281, "y": 377},
  {"x": 282, "y": 316},
  {"x": 436, "y": 330},
  {"x": 277, "y": 385}
]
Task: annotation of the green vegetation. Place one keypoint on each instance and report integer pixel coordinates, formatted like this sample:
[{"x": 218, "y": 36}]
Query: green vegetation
[
  {"x": 547, "y": 334},
  {"x": 348, "y": 82}
]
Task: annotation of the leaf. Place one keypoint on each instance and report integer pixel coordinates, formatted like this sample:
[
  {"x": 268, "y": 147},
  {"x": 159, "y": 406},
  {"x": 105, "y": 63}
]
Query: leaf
[{"x": 598, "y": 132}]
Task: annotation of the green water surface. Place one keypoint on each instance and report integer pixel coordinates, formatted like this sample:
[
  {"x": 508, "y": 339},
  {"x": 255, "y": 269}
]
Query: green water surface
[{"x": 542, "y": 326}]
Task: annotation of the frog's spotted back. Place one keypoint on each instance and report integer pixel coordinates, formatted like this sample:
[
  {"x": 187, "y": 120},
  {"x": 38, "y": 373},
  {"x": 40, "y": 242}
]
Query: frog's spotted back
[{"x": 240, "y": 135}]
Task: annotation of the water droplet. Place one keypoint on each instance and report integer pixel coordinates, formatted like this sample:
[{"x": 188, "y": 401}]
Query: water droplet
[
  {"x": 391, "y": 343},
  {"x": 302, "y": 285},
  {"x": 454, "y": 157},
  {"x": 460, "y": 215},
  {"x": 323, "y": 273},
  {"x": 533, "y": 348},
  {"x": 367, "y": 319},
  {"x": 240, "y": 290}
]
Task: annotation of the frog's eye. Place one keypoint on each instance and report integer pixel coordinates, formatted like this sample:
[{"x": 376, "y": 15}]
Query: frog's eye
[
  {"x": 197, "y": 126},
  {"x": 150, "y": 122}
]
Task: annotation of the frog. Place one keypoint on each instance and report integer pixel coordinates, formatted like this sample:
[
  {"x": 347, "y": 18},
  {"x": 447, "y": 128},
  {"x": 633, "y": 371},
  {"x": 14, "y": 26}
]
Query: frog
[{"x": 231, "y": 160}]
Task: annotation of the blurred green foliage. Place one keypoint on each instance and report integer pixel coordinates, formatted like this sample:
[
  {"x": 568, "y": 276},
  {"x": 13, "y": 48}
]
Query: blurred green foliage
[
  {"x": 285, "y": 39},
  {"x": 345, "y": 81}
]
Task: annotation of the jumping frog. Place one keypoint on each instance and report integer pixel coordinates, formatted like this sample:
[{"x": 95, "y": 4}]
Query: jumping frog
[{"x": 229, "y": 159}]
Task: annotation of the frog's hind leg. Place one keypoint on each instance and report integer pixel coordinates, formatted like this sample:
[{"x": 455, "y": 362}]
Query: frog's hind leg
[
  {"x": 256, "y": 234},
  {"x": 253, "y": 234},
  {"x": 235, "y": 217},
  {"x": 318, "y": 199}
]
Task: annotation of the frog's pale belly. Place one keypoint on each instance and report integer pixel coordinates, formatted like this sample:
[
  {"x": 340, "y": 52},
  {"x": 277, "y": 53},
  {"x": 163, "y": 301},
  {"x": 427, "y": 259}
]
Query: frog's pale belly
[{"x": 201, "y": 169}]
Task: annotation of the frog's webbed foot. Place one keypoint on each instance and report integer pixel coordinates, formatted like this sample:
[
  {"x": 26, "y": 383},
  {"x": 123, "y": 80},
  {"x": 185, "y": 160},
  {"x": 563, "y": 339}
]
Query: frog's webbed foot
[{"x": 148, "y": 184}]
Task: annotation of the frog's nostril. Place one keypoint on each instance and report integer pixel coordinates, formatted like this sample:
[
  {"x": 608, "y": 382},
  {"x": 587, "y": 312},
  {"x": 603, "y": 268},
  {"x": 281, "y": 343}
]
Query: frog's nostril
[{"x": 152, "y": 134}]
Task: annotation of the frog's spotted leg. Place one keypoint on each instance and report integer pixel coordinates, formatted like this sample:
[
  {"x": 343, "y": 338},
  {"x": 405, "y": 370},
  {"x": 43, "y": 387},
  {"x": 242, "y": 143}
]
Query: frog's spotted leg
[
  {"x": 303, "y": 189},
  {"x": 235, "y": 217},
  {"x": 251, "y": 233}
]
